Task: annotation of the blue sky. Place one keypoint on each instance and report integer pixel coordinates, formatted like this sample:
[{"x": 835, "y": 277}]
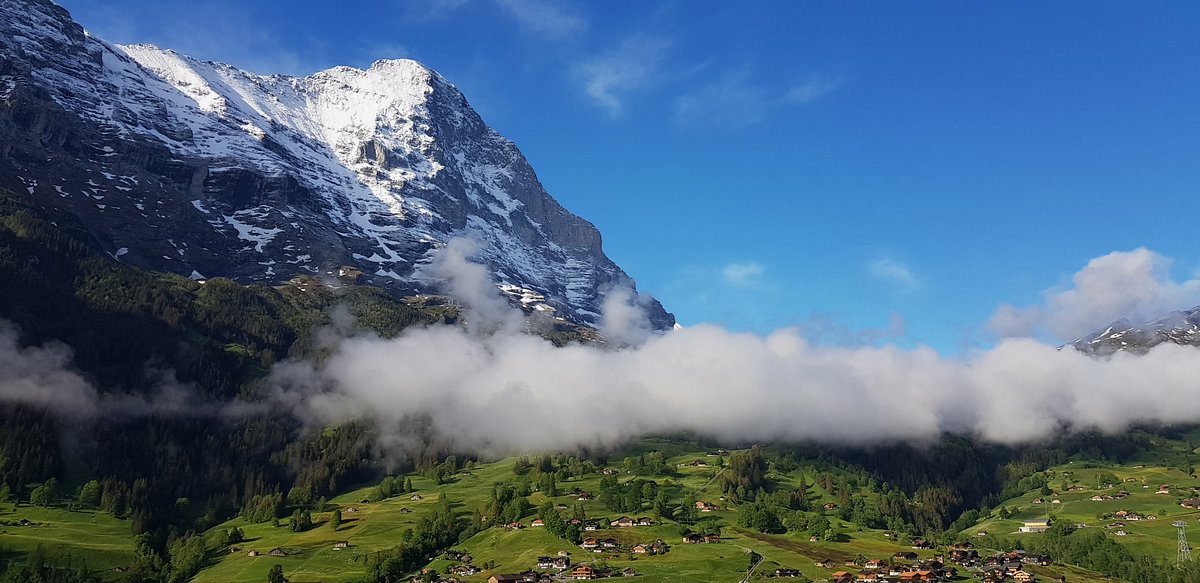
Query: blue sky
[{"x": 867, "y": 171}]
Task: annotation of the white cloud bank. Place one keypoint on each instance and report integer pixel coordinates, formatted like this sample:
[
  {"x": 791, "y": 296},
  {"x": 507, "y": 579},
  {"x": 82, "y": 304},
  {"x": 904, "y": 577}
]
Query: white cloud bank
[
  {"x": 490, "y": 388},
  {"x": 1123, "y": 284},
  {"x": 507, "y": 392},
  {"x": 519, "y": 393},
  {"x": 44, "y": 376},
  {"x": 41, "y": 376}
]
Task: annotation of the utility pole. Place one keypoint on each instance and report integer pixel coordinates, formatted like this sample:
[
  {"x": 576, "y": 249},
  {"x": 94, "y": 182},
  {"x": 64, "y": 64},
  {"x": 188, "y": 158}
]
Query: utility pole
[{"x": 1185, "y": 551}]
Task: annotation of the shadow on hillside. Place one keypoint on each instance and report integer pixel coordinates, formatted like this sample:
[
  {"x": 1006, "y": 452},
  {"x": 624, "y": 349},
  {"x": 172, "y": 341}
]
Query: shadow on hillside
[{"x": 9, "y": 556}]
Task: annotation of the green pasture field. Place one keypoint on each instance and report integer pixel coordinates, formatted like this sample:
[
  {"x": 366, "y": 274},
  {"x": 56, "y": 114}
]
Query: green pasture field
[
  {"x": 373, "y": 527},
  {"x": 104, "y": 542}
]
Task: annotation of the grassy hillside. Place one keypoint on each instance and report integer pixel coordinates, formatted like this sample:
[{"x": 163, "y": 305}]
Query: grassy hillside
[
  {"x": 1151, "y": 484},
  {"x": 374, "y": 527},
  {"x": 104, "y": 542}
]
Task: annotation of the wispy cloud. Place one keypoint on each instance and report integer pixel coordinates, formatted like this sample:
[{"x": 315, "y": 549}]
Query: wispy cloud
[
  {"x": 743, "y": 274},
  {"x": 430, "y": 10},
  {"x": 828, "y": 329},
  {"x": 732, "y": 103},
  {"x": 813, "y": 89},
  {"x": 609, "y": 78},
  {"x": 549, "y": 19},
  {"x": 191, "y": 31},
  {"x": 737, "y": 101},
  {"x": 894, "y": 272}
]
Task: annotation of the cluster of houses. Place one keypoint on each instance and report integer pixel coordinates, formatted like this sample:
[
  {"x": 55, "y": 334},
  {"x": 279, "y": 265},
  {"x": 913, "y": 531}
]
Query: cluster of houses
[
  {"x": 847, "y": 577},
  {"x": 578, "y": 573},
  {"x": 599, "y": 545},
  {"x": 627, "y": 522},
  {"x": 1128, "y": 515},
  {"x": 1164, "y": 489},
  {"x": 589, "y": 525},
  {"x": 1119, "y": 495},
  {"x": 465, "y": 568},
  {"x": 562, "y": 562},
  {"x": 905, "y": 566},
  {"x": 703, "y": 506},
  {"x": 658, "y": 547},
  {"x": 699, "y": 539},
  {"x": 564, "y": 567},
  {"x": 1012, "y": 566}
]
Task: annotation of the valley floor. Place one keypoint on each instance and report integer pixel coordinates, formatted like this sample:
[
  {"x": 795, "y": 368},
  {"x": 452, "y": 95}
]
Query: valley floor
[{"x": 1151, "y": 493}]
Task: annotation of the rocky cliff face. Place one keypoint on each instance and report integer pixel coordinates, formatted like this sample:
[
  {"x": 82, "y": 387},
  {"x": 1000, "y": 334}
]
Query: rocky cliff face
[
  {"x": 205, "y": 170},
  {"x": 1182, "y": 327}
]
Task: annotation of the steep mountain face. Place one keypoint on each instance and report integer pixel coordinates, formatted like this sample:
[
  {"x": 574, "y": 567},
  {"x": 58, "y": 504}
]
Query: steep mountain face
[
  {"x": 205, "y": 170},
  {"x": 1182, "y": 327}
]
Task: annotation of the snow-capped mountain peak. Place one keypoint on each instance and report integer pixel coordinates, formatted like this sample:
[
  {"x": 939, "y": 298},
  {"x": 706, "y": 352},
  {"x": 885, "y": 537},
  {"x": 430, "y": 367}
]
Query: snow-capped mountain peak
[
  {"x": 194, "y": 166},
  {"x": 1180, "y": 327}
]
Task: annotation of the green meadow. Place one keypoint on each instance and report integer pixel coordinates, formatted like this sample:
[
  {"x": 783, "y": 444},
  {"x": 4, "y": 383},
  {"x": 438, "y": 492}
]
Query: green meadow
[
  {"x": 1152, "y": 534},
  {"x": 104, "y": 542},
  {"x": 371, "y": 527}
]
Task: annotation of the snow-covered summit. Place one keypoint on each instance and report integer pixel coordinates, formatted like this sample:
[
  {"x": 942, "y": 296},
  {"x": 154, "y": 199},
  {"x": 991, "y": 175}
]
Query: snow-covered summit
[
  {"x": 1179, "y": 327},
  {"x": 193, "y": 165}
]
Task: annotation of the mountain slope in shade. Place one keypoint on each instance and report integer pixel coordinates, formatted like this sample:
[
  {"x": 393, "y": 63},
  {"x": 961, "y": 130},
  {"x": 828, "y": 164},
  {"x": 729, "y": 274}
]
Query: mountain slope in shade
[
  {"x": 1181, "y": 327},
  {"x": 203, "y": 169}
]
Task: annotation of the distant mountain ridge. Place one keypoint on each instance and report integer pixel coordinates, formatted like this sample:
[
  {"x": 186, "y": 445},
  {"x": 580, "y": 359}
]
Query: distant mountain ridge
[
  {"x": 1181, "y": 327},
  {"x": 202, "y": 169}
]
